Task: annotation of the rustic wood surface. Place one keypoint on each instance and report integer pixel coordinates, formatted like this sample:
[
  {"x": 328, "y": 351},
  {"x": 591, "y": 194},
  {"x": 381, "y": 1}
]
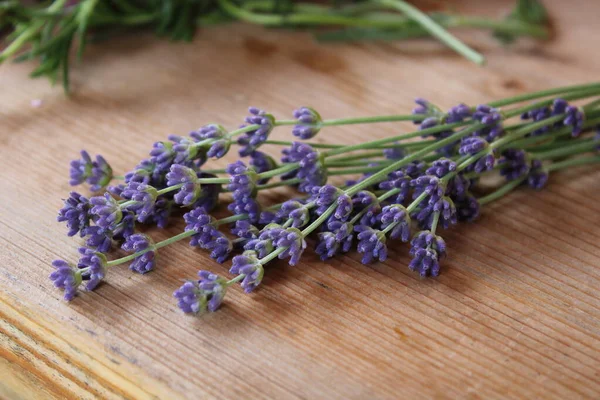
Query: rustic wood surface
[{"x": 514, "y": 314}]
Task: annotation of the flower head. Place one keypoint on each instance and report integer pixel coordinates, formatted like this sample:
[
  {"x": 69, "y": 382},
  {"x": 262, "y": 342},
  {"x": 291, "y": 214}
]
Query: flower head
[
  {"x": 97, "y": 173},
  {"x": 427, "y": 249},
  {"x": 293, "y": 243},
  {"x": 537, "y": 115},
  {"x": 309, "y": 122},
  {"x": 400, "y": 180},
  {"x": 396, "y": 215},
  {"x": 76, "y": 213},
  {"x": 143, "y": 199},
  {"x": 206, "y": 294},
  {"x": 209, "y": 193},
  {"x": 253, "y": 139},
  {"x": 243, "y": 185},
  {"x": 538, "y": 176},
  {"x": 394, "y": 152},
  {"x": 162, "y": 156},
  {"x": 248, "y": 265},
  {"x": 467, "y": 208},
  {"x": 441, "y": 167},
  {"x": 371, "y": 243},
  {"x": 65, "y": 277},
  {"x": 92, "y": 265},
  {"x": 190, "y": 189},
  {"x": 311, "y": 171},
  {"x": 296, "y": 211},
  {"x": 106, "y": 212},
  {"x": 144, "y": 262},
  {"x": 99, "y": 238},
  {"x": 490, "y": 117},
  {"x": 514, "y": 164},
  {"x": 266, "y": 240}
]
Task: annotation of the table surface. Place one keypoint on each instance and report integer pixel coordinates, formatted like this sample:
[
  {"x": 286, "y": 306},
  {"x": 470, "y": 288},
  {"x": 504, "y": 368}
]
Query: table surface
[{"x": 515, "y": 312}]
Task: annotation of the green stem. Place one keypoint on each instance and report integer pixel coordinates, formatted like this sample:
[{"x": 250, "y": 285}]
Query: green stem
[
  {"x": 502, "y": 191},
  {"x": 575, "y": 162},
  {"x": 435, "y": 29},
  {"x": 585, "y": 145}
]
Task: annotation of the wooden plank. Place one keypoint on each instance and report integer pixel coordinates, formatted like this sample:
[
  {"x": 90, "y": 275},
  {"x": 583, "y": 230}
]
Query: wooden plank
[{"x": 514, "y": 314}]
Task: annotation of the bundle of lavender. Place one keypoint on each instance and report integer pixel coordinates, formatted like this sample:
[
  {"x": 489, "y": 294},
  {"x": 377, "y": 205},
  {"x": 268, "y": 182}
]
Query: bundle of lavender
[{"x": 407, "y": 190}]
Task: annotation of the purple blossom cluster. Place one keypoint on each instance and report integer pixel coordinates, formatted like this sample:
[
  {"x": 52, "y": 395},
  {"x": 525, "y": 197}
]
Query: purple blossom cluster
[{"x": 310, "y": 171}]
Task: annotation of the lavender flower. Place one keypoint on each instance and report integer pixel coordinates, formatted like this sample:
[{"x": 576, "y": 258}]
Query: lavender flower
[
  {"x": 309, "y": 122},
  {"x": 490, "y": 117},
  {"x": 242, "y": 179},
  {"x": 575, "y": 119},
  {"x": 162, "y": 211},
  {"x": 262, "y": 162},
  {"x": 199, "y": 221},
  {"x": 426, "y": 250},
  {"x": 106, "y": 212},
  {"x": 97, "y": 173},
  {"x": 144, "y": 262},
  {"x": 338, "y": 239},
  {"x": 472, "y": 145},
  {"x": 325, "y": 196},
  {"x": 311, "y": 170},
  {"x": 371, "y": 243},
  {"x": 467, "y": 208},
  {"x": 327, "y": 246},
  {"x": 432, "y": 185},
  {"x": 99, "y": 238},
  {"x": 144, "y": 172},
  {"x": 425, "y": 108},
  {"x": 253, "y": 139},
  {"x": 266, "y": 240},
  {"x": 186, "y": 150},
  {"x": 92, "y": 265},
  {"x": 244, "y": 229},
  {"x": 295, "y": 211},
  {"x": 537, "y": 177},
  {"x": 65, "y": 277},
  {"x": 396, "y": 215},
  {"x": 444, "y": 207},
  {"x": 537, "y": 115},
  {"x": 190, "y": 189},
  {"x": 162, "y": 156},
  {"x": 76, "y": 213},
  {"x": 293, "y": 243},
  {"x": 400, "y": 180},
  {"x": 142, "y": 199},
  {"x": 205, "y": 294},
  {"x": 248, "y": 265},
  {"x": 394, "y": 153},
  {"x": 344, "y": 206},
  {"x": 210, "y": 131},
  {"x": 514, "y": 164},
  {"x": 441, "y": 167}
]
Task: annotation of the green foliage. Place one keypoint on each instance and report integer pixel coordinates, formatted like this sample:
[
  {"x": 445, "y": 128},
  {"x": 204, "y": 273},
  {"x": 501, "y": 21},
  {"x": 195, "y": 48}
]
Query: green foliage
[{"x": 525, "y": 11}]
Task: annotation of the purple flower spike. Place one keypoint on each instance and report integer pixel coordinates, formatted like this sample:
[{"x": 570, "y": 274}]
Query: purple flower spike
[
  {"x": 537, "y": 177},
  {"x": 575, "y": 119},
  {"x": 394, "y": 153},
  {"x": 397, "y": 180},
  {"x": 327, "y": 246},
  {"x": 92, "y": 265},
  {"x": 106, "y": 211},
  {"x": 243, "y": 185},
  {"x": 458, "y": 113},
  {"x": 326, "y": 195},
  {"x": 190, "y": 190},
  {"x": 206, "y": 294},
  {"x": 199, "y": 221},
  {"x": 472, "y": 145},
  {"x": 143, "y": 199},
  {"x": 428, "y": 184},
  {"x": 97, "y": 173},
  {"x": 65, "y": 277},
  {"x": 295, "y": 211},
  {"x": 262, "y": 162},
  {"x": 344, "y": 207},
  {"x": 338, "y": 240},
  {"x": 426, "y": 250},
  {"x": 311, "y": 170},
  {"x": 371, "y": 243},
  {"x": 220, "y": 248},
  {"x": 253, "y": 139},
  {"x": 245, "y": 230},
  {"x": 467, "y": 208},
  {"x": 248, "y": 265},
  {"x": 514, "y": 164},
  {"x": 214, "y": 287},
  {"x": 490, "y": 117},
  {"x": 293, "y": 241},
  {"x": 441, "y": 167},
  {"x": 309, "y": 122},
  {"x": 76, "y": 213},
  {"x": 189, "y": 298},
  {"x": 81, "y": 169},
  {"x": 485, "y": 163},
  {"x": 144, "y": 262},
  {"x": 219, "y": 148},
  {"x": 397, "y": 216},
  {"x": 162, "y": 156},
  {"x": 99, "y": 238},
  {"x": 186, "y": 150},
  {"x": 211, "y": 131},
  {"x": 538, "y": 115}
]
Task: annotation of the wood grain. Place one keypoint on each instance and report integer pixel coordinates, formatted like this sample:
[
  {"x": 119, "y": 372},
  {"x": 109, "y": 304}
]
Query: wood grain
[{"x": 515, "y": 313}]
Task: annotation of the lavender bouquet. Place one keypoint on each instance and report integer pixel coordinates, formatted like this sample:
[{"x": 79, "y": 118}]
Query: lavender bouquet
[{"x": 409, "y": 187}]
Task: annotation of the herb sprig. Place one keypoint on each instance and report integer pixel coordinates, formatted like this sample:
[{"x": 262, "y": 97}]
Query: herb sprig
[
  {"x": 47, "y": 31},
  {"x": 397, "y": 188}
]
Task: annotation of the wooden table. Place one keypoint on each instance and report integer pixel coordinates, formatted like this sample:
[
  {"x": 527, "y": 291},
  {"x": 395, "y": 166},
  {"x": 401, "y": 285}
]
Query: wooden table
[{"x": 514, "y": 314}]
